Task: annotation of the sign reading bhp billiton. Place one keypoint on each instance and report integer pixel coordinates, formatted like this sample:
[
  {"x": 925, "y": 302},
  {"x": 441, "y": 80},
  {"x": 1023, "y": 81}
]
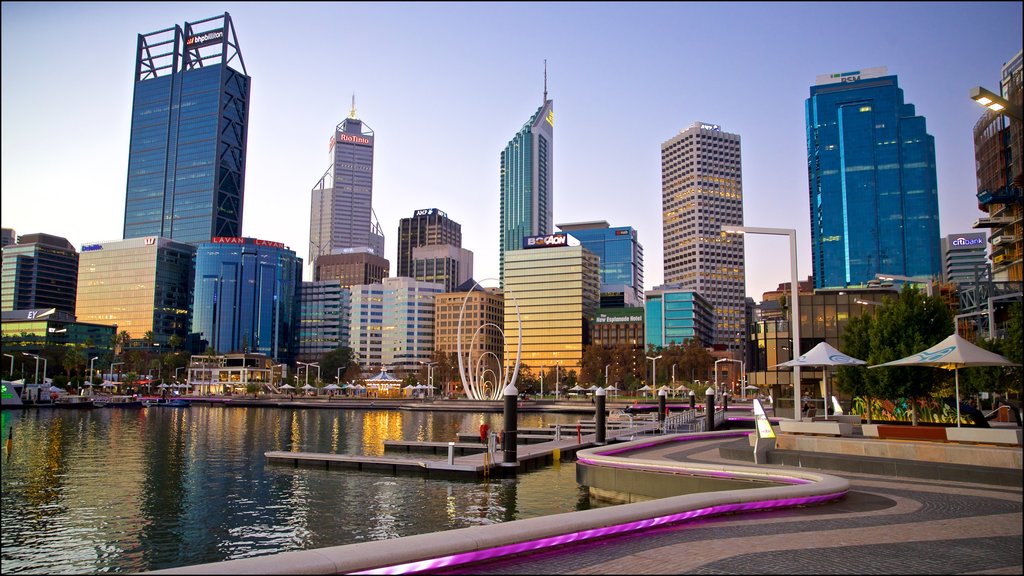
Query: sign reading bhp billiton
[{"x": 205, "y": 39}]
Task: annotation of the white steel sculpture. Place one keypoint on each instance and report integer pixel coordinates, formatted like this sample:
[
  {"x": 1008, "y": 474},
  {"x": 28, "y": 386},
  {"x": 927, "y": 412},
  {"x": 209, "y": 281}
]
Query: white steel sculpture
[{"x": 472, "y": 378}]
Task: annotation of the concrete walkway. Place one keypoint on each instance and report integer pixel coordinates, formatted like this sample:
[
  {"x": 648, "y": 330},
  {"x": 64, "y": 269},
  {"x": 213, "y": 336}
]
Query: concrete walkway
[{"x": 883, "y": 526}]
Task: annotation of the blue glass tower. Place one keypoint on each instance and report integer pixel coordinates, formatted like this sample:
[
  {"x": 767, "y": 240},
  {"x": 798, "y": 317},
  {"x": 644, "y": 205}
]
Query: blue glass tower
[
  {"x": 871, "y": 169},
  {"x": 621, "y": 261},
  {"x": 526, "y": 182},
  {"x": 673, "y": 315},
  {"x": 190, "y": 115},
  {"x": 247, "y": 297}
]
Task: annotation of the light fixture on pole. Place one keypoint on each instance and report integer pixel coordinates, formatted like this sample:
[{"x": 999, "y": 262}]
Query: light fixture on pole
[
  {"x": 654, "y": 370},
  {"x": 35, "y": 379},
  {"x": 11, "y": 356},
  {"x": 995, "y": 103},
  {"x": 794, "y": 309},
  {"x": 430, "y": 375}
]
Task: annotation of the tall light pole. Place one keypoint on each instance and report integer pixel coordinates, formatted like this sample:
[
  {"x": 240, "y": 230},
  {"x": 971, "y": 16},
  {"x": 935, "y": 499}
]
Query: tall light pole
[
  {"x": 654, "y": 370},
  {"x": 606, "y": 366},
  {"x": 307, "y": 365},
  {"x": 11, "y": 356},
  {"x": 35, "y": 379},
  {"x": 430, "y": 374},
  {"x": 794, "y": 308}
]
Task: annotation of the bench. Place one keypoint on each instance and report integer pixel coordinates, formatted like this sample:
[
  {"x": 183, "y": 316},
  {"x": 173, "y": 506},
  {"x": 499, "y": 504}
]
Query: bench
[
  {"x": 884, "y": 431},
  {"x": 844, "y": 418},
  {"x": 826, "y": 428}
]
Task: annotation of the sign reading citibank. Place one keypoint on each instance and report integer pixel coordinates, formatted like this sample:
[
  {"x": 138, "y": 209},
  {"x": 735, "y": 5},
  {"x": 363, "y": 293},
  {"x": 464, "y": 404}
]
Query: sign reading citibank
[
  {"x": 253, "y": 241},
  {"x": 548, "y": 241},
  {"x": 205, "y": 39},
  {"x": 969, "y": 240}
]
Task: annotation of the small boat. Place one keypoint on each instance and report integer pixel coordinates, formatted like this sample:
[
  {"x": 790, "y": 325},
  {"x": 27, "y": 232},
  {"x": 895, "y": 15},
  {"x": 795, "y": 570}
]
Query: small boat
[
  {"x": 71, "y": 401},
  {"x": 117, "y": 402},
  {"x": 176, "y": 403}
]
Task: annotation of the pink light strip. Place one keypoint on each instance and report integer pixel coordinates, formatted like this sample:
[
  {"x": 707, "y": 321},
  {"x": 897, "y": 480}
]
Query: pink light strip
[{"x": 531, "y": 545}]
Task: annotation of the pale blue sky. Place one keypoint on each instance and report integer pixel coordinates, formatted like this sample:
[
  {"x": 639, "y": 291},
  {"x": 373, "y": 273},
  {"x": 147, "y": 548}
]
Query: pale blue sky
[{"x": 444, "y": 87}]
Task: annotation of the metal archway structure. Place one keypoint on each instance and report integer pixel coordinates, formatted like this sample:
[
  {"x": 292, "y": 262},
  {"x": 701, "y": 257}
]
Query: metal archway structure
[{"x": 468, "y": 381}]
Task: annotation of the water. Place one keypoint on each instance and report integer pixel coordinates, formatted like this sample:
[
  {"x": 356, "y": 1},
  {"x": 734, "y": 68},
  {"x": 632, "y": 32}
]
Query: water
[{"x": 129, "y": 490}]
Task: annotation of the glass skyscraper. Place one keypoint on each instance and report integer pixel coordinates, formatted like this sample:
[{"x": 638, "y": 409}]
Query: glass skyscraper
[
  {"x": 190, "y": 116},
  {"x": 40, "y": 271},
  {"x": 621, "y": 260},
  {"x": 427, "y": 227},
  {"x": 526, "y": 182},
  {"x": 247, "y": 297},
  {"x": 674, "y": 316},
  {"x": 871, "y": 168}
]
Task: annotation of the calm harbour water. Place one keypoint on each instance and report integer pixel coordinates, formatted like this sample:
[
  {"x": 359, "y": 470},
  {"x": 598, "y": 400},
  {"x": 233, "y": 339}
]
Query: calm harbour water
[{"x": 128, "y": 490}]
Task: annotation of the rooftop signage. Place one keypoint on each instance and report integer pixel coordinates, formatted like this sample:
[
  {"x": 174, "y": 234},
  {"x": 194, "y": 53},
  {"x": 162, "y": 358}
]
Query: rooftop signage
[
  {"x": 970, "y": 240},
  {"x": 714, "y": 127},
  {"x": 547, "y": 241},
  {"x": 353, "y": 139},
  {"x": 252, "y": 241},
  {"x": 854, "y": 76},
  {"x": 429, "y": 212},
  {"x": 91, "y": 247},
  {"x": 205, "y": 39}
]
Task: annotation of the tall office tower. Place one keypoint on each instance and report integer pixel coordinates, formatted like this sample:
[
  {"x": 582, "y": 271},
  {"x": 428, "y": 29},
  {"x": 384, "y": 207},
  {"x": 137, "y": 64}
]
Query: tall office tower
[
  {"x": 702, "y": 190},
  {"x": 139, "y": 285},
  {"x": 351, "y": 266},
  {"x": 554, "y": 285},
  {"x": 871, "y": 167},
  {"x": 964, "y": 258},
  {"x": 40, "y": 271},
  {"x": 324, "y": 315},
  {"x": 622, "y": 261},
  {"x": 527, "y": 181},
  {"x": 998, "y": 143},
  {"x": 429, "y": 227},
  {"x": 445, "y": 264},
  {"x": 190, "y": 119},
  {"x": 247, "y": 297},
  {"x": 341, "y": 211},
  {"x": 8, "y": 237},
  {"x": 483, "y": 314},
  {"x": 392, "y": 324},
  {"x": 674, "y": 316}
]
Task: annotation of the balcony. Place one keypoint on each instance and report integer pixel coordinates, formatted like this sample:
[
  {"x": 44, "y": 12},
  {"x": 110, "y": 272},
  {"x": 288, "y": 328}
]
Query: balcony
[
  {"x": 1005, "y": 195},
  {"x": 1004, "y": 239},
  {"x": 992, "y": 222}
]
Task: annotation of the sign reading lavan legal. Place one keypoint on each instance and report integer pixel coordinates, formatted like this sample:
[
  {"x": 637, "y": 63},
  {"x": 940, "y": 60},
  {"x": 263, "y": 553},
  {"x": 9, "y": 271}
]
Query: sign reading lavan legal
[{"x": 205, "y": 39}]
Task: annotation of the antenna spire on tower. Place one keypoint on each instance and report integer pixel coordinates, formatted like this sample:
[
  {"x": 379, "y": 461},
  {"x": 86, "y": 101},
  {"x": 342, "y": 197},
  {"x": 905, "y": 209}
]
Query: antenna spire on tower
[
  {"x": 352, "y": 114},
  {"x": 545, "y": 81}
]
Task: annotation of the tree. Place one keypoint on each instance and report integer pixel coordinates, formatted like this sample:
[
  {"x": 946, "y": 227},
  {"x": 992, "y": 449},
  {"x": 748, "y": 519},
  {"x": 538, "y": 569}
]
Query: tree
[
  {"x": 175, "y": 342},
  {"x": 340, "y": 357},
  {"x": 74, "y": 360},
  {"x": 857, "y": 380}
]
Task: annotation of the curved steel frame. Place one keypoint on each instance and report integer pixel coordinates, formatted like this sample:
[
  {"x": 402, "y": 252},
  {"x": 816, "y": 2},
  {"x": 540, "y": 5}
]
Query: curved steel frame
[{"x": 468, "y": 382}]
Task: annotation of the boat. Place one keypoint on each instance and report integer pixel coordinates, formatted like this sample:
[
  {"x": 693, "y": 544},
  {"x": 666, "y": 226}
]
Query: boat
[
  {"x": 117, "y": 402},
  {"x": 175, "y": 403},
  {"x": 74, "y": 401}
]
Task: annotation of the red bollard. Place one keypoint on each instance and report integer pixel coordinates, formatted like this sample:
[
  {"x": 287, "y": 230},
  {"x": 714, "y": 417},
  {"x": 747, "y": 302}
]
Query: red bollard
[{"x": 579, "y": 433}]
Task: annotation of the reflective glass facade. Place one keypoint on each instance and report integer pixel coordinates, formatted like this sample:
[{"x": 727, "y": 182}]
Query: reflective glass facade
[
  {"x": 392, "y": 324},
  {"x": 139, "y": 285},
  {"x": 620, "y": 254},
  {"x": 324, "y": 314},
  {"x": 674, "y": 316},
  {"x": 186, "y": 163},
  {"x": 41, "y": 271},
  {"x": 427, "y": 227},
  {"x": 526, "y": 183},
  {"x": 871, "y": 169},
  {"x": 557, "y": 291},
  {"x": 247, "y": 297}
]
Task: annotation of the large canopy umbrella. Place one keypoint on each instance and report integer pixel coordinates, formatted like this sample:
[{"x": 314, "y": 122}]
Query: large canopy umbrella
[
  {"x": 287, "y": 387},
  {"x": 332, "y": 387},
  {"x": 953, "y": 353},
  {"x": 577, "y": 388},
  {"x": 307, "y": 388},
  {"x": 823, "y": 355}
]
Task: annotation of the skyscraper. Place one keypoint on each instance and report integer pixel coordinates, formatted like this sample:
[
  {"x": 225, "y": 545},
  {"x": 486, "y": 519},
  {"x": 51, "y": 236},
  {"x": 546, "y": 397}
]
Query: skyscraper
[
  {"x": 39, "y": 271},
  {"x": 871, "y": 168},
  {"x": 702, "y": 190},
  {"x": 190, "y": 117},
  {"x": 428, "y": 227},
  {"x": 526, "y": 181},
  {"x": 341, "y": 211},
  {"x": 621, "y": 257}
]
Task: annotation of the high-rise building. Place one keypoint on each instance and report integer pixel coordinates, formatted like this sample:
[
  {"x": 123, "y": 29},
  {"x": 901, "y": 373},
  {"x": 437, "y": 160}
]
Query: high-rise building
[
  {"x": 428, "y": 227},
  {"x": 351, "y": 266},
  {"x": 341, "y": 211},
  {"x": 139, "y": 285},
  {"x": 40, "y": 271},
  {"x": 621, "y": 259},
  {"x": 554, "y": 287},
  {"x": 674, "y": 315},
  {"x": 247, "y": 297},
  {"x": 964, "y": 258},
  {"x": 190, "y": 118},
  {"x": 324, "y": 315},
  {"x": 444, "y": 264},
  {"x": 392, "y": 324},
  {"x": 527, "y": 181},
  {"x": 998, "y": 143},
  {"x": 8, "y": 237},
  {"x": 484, "y": 313},
  {"x": 871, "y": 168},
  {"x": 701, "y": 191}
]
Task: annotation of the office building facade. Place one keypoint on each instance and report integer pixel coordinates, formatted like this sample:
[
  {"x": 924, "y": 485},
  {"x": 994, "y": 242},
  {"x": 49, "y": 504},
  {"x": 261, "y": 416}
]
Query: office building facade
[
  {"x": 427, "y": 227},
  {"x": 674, "y": 315},
  {"x": 964, "y": 258},
  {"x": 701, "y": 191},
  {"x": 40, "y": 271},
  {"x": 444, "y": 264},
  {"x": 553, "y": 287},
  {"x": 621, "y": 259},
  {"x": 190, "y": 118},
  {"x": 619, "y": 327},
  {"x": 392, "y": 324},
  {"x": 33, "y": 331},
  {"x": 871, "y": 170},
  {"x": 7, "y": 236},
  {"x": 324, "y": 314},
  {"x": 482, "y": 320},
  {"x": 527, "y": 182},
  {"x": 351, "y": 266},
  {"x": 341, "y": 211},
  {"x": 247, "y": 297},
  {"x": 139, "y": 285}
]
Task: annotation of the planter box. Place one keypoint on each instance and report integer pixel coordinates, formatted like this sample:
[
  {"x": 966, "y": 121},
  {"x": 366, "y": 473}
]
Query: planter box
[
  {"x": 1001, "y": 436},
  {"x": 826, "y": 428}
]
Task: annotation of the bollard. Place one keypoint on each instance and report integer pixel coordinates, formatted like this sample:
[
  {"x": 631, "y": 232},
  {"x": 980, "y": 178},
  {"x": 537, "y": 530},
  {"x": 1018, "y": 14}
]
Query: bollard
[
  {"x": 579, "y": 433},
  {"x": 558, "y": 432},
  {"x": 451, "y": 453},
  {"x": 693, "y": 400},
  {"x": 509, "y": 440},
  {"x": 725, "y": 401},
  {"x": 662, "y": 399},
  {"x": 599, "y": 419},
  {"x": 710, "y": 410}
]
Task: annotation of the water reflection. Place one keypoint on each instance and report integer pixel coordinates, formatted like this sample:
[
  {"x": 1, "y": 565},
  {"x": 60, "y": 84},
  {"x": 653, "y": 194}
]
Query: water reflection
[{"x": 132, "y": 490}]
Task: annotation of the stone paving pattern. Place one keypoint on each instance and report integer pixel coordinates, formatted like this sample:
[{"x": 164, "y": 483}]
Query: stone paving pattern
[{"x": 884, "y": 526}]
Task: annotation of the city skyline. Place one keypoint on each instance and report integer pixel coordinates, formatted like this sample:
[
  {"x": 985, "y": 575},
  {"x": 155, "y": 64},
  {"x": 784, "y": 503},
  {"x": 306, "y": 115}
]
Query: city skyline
[{"x": 626, "y": 78}]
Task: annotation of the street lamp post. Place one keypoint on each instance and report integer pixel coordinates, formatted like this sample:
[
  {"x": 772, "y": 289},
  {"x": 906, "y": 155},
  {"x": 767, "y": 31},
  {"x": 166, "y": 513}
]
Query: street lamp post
[
  {"x": 35, "y": 378},
  {"x": 430, "y": 375},
  {"x": 606, "y": 366},
  {"x": 995, "y": 103},
  {"x": 11, "y": 356},
  {"x": 307, "y": 365},
  {"x": 654, "y": 370},
  {"x": 794, "y": 309}
]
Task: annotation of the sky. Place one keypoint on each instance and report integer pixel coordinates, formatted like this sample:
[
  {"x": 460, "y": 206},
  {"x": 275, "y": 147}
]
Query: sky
[{"x": 445, "y": 86}]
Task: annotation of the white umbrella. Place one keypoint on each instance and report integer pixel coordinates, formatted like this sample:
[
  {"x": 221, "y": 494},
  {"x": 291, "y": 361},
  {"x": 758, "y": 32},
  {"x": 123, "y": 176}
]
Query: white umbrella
[
  {"x": 823, "y": 355},
  {"x": 645, "y": 388},
  {"x": 162, "y": 385},
  {"x": 751, "y": 387},
  {"x": 953, "y": 353},
  {"x": 332, "y": 387},
  {"x": 107, "y": 384},
  {"x": 577, "y": 388},
  {"x": 612, "y": 387},
  {"x": 307, "y": 387},
  {"x": 287, "y": 387}
]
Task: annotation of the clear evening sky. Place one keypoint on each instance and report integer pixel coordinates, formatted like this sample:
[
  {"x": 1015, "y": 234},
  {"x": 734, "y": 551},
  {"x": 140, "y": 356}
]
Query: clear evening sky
[{"x": 445, "y": 86}]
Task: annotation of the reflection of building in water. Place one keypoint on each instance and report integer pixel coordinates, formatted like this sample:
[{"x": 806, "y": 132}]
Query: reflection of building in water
[
  {"x": 230, "y": 373},
  {"x": 378, "y": 426}
]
